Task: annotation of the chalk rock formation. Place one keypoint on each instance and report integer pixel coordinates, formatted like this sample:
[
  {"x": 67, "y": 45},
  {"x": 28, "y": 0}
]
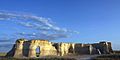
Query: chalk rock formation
[
  {"x": 28, "y": 48},
  {"x": 65, "y": 48},
  {"x": 24, "y": 48}
]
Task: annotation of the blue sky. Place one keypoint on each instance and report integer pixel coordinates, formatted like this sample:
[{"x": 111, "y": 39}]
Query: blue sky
[{"x": 96, "y": 20}]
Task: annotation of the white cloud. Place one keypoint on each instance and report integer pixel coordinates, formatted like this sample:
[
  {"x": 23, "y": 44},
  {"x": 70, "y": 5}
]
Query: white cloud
[{"x": 43, "y": 25}]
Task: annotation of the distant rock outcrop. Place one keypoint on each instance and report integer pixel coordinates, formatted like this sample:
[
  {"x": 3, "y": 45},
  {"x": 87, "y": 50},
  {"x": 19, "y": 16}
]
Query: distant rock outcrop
[{"x": 24, "y": 48}]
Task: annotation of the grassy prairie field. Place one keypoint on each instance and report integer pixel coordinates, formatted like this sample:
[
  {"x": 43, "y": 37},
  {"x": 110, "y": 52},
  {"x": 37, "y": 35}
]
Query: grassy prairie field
[
  {"x": 96, "y": 57},
  {"x": 37, "y": 59},
  {"x": 2, "y": 57},
  {"x": 2, "y": 54},
  {"x": 108, "y": 57}
]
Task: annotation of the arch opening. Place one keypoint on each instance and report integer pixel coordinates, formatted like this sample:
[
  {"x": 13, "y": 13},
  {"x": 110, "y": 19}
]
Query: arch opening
[{"x": 38, "y": 51}]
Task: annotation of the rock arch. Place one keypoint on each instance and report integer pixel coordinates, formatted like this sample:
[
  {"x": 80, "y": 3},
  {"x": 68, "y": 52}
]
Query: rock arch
[
  {"x": 24, "y": 48},
  {"x": 38, "y": 51}
]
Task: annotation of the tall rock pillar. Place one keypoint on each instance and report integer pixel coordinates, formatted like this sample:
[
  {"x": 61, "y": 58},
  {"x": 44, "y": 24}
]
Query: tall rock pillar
[
  {"x": 32, "y": 49},
  {"x": 19, "y": 48}
]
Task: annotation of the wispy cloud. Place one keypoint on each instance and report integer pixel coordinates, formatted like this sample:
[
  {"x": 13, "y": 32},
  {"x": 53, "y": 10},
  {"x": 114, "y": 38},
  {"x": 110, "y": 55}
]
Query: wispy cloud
[
  {"x": 43, "y": 36},
  {"x": 37, "y": 23},
  {"x": 5, "y": 47},
  {"x": 8, "y": 39},
  {"x": 4, "y": 40}
]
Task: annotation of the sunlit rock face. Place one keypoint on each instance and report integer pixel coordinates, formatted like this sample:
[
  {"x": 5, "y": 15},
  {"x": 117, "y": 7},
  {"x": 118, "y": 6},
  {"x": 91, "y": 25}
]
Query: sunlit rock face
[
  {"x": 24, "y": 48},
  {"x": 46, "y": 48}
]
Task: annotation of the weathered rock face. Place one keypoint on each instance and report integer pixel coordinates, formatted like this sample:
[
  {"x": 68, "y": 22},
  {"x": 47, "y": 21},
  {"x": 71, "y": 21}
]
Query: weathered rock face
[
  {"x": 46, "y": 48},
  {"x": 24, "y": 48}
]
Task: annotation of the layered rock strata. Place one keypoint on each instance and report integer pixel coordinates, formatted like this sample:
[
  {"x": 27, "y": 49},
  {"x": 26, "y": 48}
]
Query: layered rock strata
[{"x": 24, "y": 48}]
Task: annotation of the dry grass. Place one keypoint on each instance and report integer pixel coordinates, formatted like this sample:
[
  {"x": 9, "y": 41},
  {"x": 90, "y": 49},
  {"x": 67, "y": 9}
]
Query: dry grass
[
  {"x": 2, "y": 57},
  {"x": 108, "y": 57},
  {"x": 2, "y": 54},
  {"x": 36, "y": 58}
]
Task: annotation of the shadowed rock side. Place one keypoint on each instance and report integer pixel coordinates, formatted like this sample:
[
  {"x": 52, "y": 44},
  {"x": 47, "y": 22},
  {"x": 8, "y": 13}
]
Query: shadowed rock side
[{"x": 24, "y": 48}]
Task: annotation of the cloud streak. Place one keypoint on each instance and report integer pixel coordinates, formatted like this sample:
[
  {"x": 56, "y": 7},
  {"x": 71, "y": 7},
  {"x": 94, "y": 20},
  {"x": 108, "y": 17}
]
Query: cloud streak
[
  {"x": 43, "y": 36},
  {"x": 37, "y": 23},
  {"x": 5, "y": 47}
]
